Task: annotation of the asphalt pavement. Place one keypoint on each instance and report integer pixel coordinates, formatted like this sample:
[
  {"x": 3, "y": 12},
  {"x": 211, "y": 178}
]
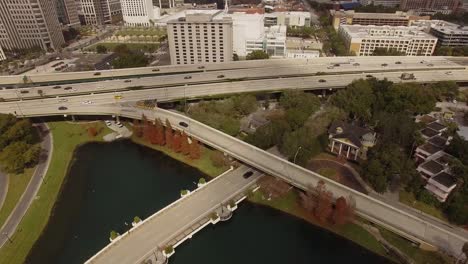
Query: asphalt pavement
[{"x": 9, "y": 228}]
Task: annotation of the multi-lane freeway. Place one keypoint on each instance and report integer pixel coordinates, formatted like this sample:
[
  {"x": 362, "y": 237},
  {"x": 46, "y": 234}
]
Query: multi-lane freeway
[
  {"x": 322, "y": 63},
  {"x": 270, "y": 72},
  {"x": 49, "y": 105}
]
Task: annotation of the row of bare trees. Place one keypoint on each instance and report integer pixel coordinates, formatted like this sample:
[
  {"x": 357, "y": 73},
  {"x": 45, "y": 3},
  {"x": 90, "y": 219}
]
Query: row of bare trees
[
  {"x": 163, "y": 135},
  {"x": 319, "y": 201}
]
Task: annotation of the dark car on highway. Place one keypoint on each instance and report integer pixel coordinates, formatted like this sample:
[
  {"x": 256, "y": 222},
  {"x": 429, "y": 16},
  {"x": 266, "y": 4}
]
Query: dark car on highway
[
  {"x": 62, "y": 108},
  {"x": 183, "y": 124},
  {"x": 247, "y": 174}
]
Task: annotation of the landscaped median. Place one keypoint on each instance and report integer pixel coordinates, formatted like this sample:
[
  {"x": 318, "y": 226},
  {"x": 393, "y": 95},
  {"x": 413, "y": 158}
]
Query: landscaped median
[{"x": 66, "y": 138}]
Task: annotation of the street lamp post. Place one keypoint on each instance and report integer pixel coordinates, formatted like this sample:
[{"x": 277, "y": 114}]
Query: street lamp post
[{"x": 295, "y": 155}]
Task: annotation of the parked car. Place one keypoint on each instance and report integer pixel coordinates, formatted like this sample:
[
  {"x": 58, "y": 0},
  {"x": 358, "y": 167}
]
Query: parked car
[
  {"x": 398, "y": 62},
  {"x": 221, "y": 76},
  {"x": 384, "y": 64},
  {"x": 57, "y": 87},
  {"x": 247, "y": 174},
  {"x": 187, "y": 77},
  {"x": 62, "y": 108},
  {"x": 127, "y": 81},
  {"x": 68, "y": 88},
  {"x": 322, "y": 80},
  {"x": 183, "y": 124}
]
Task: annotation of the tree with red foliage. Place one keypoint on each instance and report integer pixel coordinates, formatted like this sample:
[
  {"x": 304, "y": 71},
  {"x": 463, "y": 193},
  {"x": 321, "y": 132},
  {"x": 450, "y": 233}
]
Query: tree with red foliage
[
  {"x": 92, "y": 131},
  {"x": 137, "y": 129},
  {"x": 147, "y": 129},
  {"x": 153, "y": 134},
  {"x": 168, "y": 134},
  {"x": 184, "y": 145},
  {"x": 194, "y": 149},
  {"x": 176, "y": 142},
  {"x": 159, "y": 132},
  {"x": 340, "y": 214},
  {"x": 323, "y": 207}
]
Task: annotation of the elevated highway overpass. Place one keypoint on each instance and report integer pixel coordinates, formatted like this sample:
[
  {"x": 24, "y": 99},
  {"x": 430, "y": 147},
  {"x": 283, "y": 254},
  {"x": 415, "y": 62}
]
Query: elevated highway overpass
[
  {"x": 67, "y": 78},
  {"x": 27, "y": 107},
  {"x": 416, "y": 228}
]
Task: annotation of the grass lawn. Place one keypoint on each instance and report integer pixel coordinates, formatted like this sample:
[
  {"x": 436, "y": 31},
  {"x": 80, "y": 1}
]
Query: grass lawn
[
  {"x": 204, "y": 164},
  {"x": 330, "y": 173},
  {"x": 132, "y": 46},
  {"x": 289, "y": 204},
  {"x": 412, "y": 251},
  {"x": 17, "y": 183},
  {"x": 409, "y": 199},
  {"x": 66, "y": 137},
  {"x": 141, "y": 32}
]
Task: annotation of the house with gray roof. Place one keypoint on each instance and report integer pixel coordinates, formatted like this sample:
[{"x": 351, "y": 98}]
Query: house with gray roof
[{"x": 350, "y": 141}]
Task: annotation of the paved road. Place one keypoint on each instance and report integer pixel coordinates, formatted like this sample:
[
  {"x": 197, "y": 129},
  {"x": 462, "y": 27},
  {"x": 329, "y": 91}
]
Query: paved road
[
  {"x": 226, "y": 66},
  {"x": 170, "y": 222},
  {"x": 273, "y": 71},
  {"x": 74, "y": 103},
  {"x": 33, "y": 187}
]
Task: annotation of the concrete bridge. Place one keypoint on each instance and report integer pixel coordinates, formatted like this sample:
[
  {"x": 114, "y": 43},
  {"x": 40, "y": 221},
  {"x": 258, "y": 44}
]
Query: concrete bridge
[{"x": 154, "y": 239}]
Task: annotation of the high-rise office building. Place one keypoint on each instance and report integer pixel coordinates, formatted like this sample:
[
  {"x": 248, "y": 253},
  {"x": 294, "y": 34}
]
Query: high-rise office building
[
  {"x": 29, "y": 23},
  {"x": 139, "y": 12},
  {"x": 99, "y": 12},
  {"x": 67, "y": 12},
  {"x": 451, "y": 5},
  {"x": 200, "y": 36}
]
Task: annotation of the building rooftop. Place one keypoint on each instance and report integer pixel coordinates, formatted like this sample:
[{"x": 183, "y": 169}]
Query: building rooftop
[
  {"x": 427, "y": 132},
  {"x": 450, "y": 28},
  {"x": 352, "y": 13},
  {"x": 429, "y": 148},
  {"x": 426, "y": 119},
  {"x": 340, "y": 129},
  {"x": 445, "y": 179},
  {"x": 444, "y": 159},
  {"x": 436, "y": 126},
  {"x": 438, "y": 141},
  {"x": 432, "y": 166},
  {"x": 388, "y": 32}
]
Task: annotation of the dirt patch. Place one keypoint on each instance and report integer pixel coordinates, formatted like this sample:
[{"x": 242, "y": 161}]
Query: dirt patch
[{"x": 336, "y": 172}]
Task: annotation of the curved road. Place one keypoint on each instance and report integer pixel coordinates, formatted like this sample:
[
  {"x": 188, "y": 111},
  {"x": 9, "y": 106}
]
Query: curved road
[{"x": 9, "y": 228}]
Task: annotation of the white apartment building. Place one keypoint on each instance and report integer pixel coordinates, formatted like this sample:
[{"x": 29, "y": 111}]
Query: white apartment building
[
  {"x": 2, "y": 54},
  {"x": 29, "y": 23},
  {"x": 273, "y": 42},
  {"x": 363, "y": 40},
  {"x": 139, "y": 12},
  {"x": 200, "y": 36},
  {"x": 289, "y": 19},
  {"x": 247, "y": 28}
]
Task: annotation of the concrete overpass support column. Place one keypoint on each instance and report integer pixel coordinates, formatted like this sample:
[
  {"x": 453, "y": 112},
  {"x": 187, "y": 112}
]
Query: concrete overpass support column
[
  {"x": 117, "y": 118},
  {"x": 341, "y": 146},
  {"x": 355, "y": 155},
  {"x": 333, "y": 146},
  {"x": 73, "y": 118},
  {"x": 347, "y": 154}
]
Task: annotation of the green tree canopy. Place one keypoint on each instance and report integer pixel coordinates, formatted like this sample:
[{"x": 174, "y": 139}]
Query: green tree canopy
[
  {"x": 356, "y": 99},
  {"x": 101, "y": 49},
  {"x": 257, "y": 55}
]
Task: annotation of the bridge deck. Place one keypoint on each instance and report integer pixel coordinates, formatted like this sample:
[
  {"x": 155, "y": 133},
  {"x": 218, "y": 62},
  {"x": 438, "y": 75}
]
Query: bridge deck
[{"x": 175, "y": 220}]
